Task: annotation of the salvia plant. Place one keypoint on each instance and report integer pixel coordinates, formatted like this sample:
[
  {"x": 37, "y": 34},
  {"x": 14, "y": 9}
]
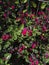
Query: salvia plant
[{"x": 24, "y": 32}]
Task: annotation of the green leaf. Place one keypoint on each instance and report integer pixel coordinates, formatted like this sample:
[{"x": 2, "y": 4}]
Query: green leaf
[
  {"x": 29, "y": 6},
  {"x": 20, "y": 29},
  {"x": 43, "y": 5},
  {"x": 48, "y": 3},
  {"x": 24, "y": 1},
  {"x": 36, "y": 51},
  {"x": 27, "y": 59},
  {"x": 6, "y": 45},
  {"x": 7, "y": 56},
  {"x": 34, "y": 32},
  {"x": 34, "y": 4},
  {"x": 17, "y": 2},
  {"x": 10, "y": 28},
  {"x": 0, "y": 27},
  {"x": 47, "y": 60},
  {"x": 8, "y": 64},
  {"x": 1, "y": 41},
  {"x": 14, "y": 35},
  {"x": 24, "y": 10},
  {"x": 29, "y": 23},
  {"x": 38, "y": 33},
  {"x": 0, "y": 47},
  {"x": 13, "y": 15},
  {"x": 1, "y": 62},
  {"x": 39, "y": 64},
  {"x": 26, "y": 44}
]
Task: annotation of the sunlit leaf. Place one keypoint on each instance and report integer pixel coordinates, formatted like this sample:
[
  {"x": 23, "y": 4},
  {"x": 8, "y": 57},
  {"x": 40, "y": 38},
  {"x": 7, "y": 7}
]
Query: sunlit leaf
[
  {"x": 7, "y": 56},
  {"x": 24, "y": 10},
  {"x": 1, "y": 62},
  {"x": 0, "y": 47},
  {"x": 47, "y": 60},
  {"x": 17, "y": 2},
  {"x": 43, "y": 5},
  {"x": 7, "y": 45},
  {"x": 34, "y": 4},
  {"x": 24, "y": 1},
  {"x": 1, "y": 41}
]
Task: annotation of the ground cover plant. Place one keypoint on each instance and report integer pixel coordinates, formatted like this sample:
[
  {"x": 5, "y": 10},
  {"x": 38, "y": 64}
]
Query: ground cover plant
[{"x": 24, "y": 32}]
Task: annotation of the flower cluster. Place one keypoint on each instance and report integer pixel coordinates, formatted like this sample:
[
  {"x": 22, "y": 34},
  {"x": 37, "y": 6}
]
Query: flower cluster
[{"x": 24, "y": 32}]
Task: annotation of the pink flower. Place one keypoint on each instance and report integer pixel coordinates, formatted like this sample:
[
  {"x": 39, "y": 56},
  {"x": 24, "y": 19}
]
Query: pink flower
[
  {"x": 42, "y": 13},
  {"x": 24, "y": 31},
  {"x": 33, "y": 45},
  {"x": 36, "y": 20},
  {"x": 39, "y": 13},
  {"x": 5, "y": 15},
  {"x": 32, "y": 15},
  {"x": 47, "y": 21},
  {"x": 36, "y": 62},
  {"x": 44, "y": 28},
  {"x": 30, "y": 59},
  {"x": 13, "y": 7},
  {"x": 30, "y": 32},
  {"x": 46, "y": 55},
  {"x": 5, "y": 37},
  {"x": 48, "y": 9},
  {"x": 26, "y": 14},
  {"x": 5, "y": 7},
  {"x": 22, "y": 15},
  {"x": 1, "y": 2},
  {"x": 23, "y": 21},
  {"x": 45, "y": 17},
  {"x": 21, "y": 49},
  {"x": 8, "y": 3},
  {"x": 42, "y": 37},
  {"x": 18, "y": 18},
  {"x": 9, "y": 12},
  {"x": 32, "y": 63}
]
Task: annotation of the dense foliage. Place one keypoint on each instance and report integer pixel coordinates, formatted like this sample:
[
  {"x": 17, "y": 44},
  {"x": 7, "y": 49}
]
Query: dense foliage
[{"x": 24, "y": 32}]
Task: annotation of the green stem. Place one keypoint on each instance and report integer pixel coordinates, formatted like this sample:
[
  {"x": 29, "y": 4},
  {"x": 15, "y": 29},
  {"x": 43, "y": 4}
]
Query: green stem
[
  {"x": 19, "y": 2},
  {"x": 28, "y": 6}
]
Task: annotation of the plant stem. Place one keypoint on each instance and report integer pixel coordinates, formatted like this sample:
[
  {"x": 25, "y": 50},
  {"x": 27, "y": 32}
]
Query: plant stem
[{"x": 28, "y": 6}]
